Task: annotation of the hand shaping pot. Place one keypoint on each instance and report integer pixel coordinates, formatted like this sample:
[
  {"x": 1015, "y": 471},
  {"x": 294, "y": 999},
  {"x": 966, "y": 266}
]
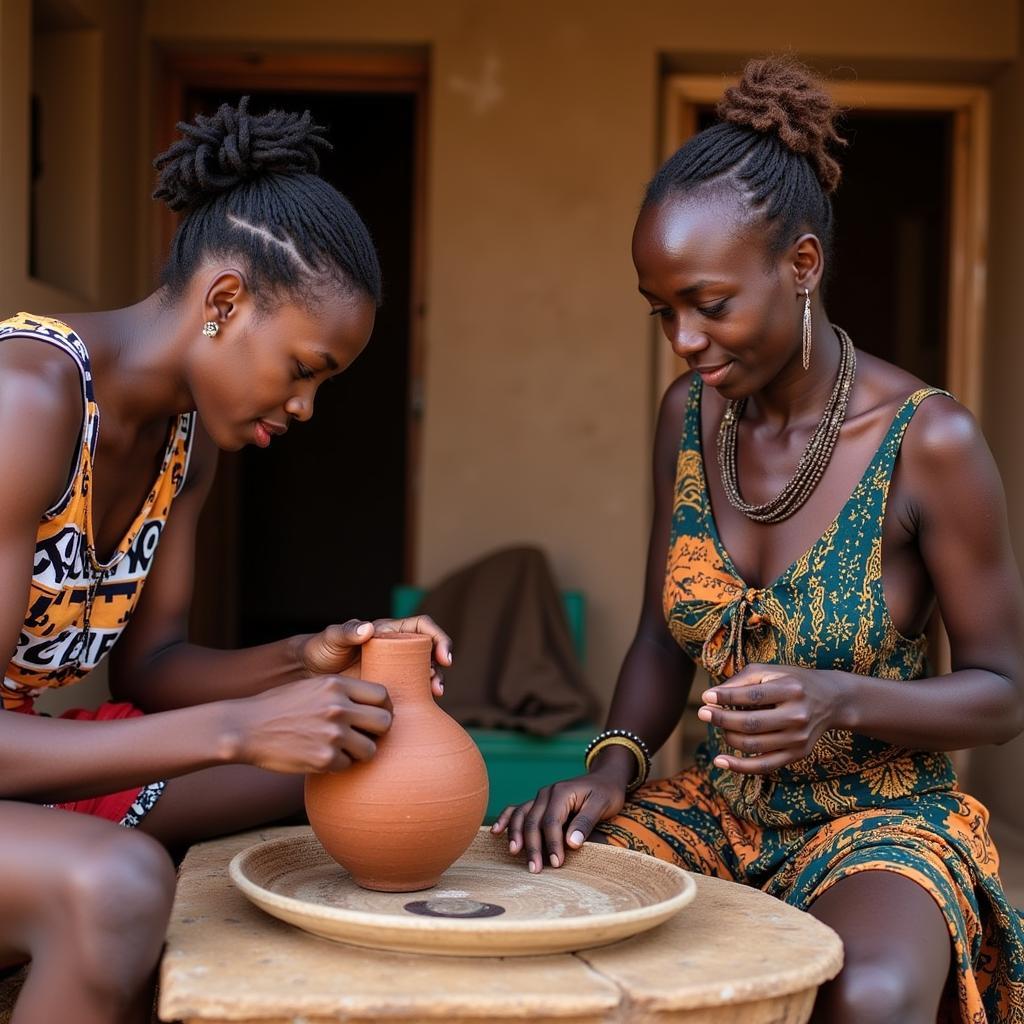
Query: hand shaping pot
[{"x": 399, "y": 820}]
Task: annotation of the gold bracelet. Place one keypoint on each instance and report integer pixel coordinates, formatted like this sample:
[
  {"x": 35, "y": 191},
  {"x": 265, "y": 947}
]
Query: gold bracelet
[{"x": 634, "y": 748}]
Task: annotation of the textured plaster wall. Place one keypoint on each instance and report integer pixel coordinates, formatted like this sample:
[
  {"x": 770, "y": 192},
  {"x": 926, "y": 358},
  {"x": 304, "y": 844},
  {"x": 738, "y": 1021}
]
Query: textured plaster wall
[
  {"x": 99, "y": 76},
  {"x": 996, "y": 771},
  {"x": 543, "y": 129}
]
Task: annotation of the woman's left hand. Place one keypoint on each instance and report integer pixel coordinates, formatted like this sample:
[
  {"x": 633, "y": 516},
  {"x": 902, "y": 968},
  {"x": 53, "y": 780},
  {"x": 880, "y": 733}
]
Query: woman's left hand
[
  {"x": 774, "y": 714},
  {"x": 335, "y": 649}
]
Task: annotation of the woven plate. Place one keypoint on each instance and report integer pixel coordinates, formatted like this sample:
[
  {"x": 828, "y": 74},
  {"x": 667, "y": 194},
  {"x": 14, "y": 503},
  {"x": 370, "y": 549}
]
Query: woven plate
[{"x": 486, "y": 904}]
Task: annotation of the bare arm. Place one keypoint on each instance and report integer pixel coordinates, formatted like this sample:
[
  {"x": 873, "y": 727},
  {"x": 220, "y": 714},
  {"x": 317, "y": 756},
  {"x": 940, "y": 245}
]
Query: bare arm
[
  {"x": 959, "y": 519},
  {"x": 656, "y": 675}
]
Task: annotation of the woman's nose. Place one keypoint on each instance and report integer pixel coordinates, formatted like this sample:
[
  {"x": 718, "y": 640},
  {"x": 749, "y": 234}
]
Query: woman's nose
[
  {"x": 687, "y": 342},
  {"x": 300, "y": 407}
]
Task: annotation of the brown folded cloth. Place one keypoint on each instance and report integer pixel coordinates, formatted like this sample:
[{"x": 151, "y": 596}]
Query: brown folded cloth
[{"x": 514, "y": 666}]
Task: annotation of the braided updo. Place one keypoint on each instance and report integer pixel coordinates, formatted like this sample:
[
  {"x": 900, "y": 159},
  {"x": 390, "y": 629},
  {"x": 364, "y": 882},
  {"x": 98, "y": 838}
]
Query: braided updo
[
  {"x": 248, "y": 187},
  {"x": 773, "y": 142}
]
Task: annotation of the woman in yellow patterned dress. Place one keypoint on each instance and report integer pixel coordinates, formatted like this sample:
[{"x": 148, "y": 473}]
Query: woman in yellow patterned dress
[
  {"x": 109, "y": 429},
  {"x": 799, "y": 569}
]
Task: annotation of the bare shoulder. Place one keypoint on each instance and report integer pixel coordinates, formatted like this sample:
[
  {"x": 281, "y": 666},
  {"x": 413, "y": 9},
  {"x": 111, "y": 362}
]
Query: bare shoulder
[
  {"x": 948, "y": 467},
  {"x": 881, "y": 387},
  {"x": 41, "y": 382},
  {"x": 938, "y": 422},
  {"x": 942, "y": 435},
  {"x": 36, "y": 359},
  {"x": 40, "y": 416}
]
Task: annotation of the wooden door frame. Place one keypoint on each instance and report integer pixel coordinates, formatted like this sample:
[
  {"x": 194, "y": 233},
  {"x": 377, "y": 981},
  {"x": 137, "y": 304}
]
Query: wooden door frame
[
  {"x": 968, "y": 236},
  {"x": 406, "y": 70}
]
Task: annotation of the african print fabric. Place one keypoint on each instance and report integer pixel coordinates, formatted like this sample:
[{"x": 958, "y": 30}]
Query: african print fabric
[
  {"x": 854, "y": 803},
  {"x": 77, "y": 605}
]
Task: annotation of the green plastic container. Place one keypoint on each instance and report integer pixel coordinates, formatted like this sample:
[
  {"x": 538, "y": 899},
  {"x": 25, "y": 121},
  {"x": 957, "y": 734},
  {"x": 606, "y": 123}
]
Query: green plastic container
[{"x": 518, "y": 764}]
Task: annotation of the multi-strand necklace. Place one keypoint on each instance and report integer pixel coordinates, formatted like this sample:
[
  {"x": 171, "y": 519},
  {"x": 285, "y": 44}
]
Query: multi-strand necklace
[{"x": 815, "y": 458}]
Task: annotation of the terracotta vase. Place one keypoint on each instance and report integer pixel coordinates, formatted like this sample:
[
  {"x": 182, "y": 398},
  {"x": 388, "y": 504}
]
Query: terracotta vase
[{"x": 399, "y": 820}]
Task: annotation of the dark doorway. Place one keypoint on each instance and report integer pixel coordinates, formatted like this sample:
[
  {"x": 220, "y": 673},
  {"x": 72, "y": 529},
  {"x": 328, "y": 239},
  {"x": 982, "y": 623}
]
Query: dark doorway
[
  {"x": 889, "y": 278},
  {"x": 313, "y": 529}
]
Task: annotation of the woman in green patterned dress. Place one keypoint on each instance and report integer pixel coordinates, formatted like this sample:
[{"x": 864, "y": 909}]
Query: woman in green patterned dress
[{"x": 799, "y": 568}]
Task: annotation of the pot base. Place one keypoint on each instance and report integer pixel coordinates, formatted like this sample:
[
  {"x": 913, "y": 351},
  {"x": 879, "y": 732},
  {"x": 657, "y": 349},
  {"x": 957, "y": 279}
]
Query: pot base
[{"x": 393, "y": 885}]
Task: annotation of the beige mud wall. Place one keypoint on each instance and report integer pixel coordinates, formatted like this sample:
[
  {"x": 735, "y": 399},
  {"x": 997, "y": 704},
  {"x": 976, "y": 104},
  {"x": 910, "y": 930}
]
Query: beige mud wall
[
  {"x": 997, "y": 772},
  {"x": 94, "y": 61},
  {"x": 543, "y": 130}
]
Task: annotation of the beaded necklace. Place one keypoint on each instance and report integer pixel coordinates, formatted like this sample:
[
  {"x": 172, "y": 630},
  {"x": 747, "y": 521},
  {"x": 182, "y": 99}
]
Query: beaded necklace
[{"x": 816, "y": 455}]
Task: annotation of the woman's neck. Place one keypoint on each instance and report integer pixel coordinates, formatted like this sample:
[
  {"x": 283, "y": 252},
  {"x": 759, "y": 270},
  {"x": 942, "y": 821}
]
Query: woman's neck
[
  {"x": 137, "y": 355},
  {"x": 796, "y": 396}
]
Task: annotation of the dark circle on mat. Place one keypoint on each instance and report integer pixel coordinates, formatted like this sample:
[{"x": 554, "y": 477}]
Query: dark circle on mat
[{"x": 453, "y": 906}]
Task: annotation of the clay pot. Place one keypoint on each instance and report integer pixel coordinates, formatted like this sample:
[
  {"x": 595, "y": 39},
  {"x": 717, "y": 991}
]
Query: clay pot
[{"x": 399, "y": 820}]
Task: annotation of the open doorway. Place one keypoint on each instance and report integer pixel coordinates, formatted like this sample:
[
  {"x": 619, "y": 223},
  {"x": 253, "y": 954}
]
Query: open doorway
[{"x": 316, "y": 528}]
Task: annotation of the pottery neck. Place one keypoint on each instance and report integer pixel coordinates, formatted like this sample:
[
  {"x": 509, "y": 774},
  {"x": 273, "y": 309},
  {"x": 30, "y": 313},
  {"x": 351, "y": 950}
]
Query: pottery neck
[{"x": 401, "y": 662}]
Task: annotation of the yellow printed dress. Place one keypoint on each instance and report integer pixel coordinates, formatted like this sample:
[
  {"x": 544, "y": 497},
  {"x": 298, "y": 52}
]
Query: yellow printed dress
[
  {"x": 855, "y": 803},
  {"x": 78, "y": 605}
]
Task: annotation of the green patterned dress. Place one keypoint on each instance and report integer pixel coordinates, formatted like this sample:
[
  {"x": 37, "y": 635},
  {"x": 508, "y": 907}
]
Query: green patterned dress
[{"x": 855, "y": 803}]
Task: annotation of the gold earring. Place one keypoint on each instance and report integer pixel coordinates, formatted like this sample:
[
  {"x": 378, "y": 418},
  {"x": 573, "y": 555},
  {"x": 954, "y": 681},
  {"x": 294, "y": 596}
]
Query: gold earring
[
  {"x": 807, "y": 329},
  {"x": 210, "y": 328}
]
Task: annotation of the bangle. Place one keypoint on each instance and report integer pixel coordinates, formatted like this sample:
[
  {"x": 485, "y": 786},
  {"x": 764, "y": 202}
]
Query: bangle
[
  {"x": 625, "y": 734},
  {"x": 604, "y": 741}
]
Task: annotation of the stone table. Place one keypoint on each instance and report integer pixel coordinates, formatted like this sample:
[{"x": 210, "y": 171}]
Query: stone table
[{"x": 734, "y": 954}]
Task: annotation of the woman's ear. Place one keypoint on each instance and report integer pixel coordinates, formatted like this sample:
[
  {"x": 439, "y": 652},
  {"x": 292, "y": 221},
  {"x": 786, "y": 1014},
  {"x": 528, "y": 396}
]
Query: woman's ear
[
  {"x": 807, "y": 260},
  {"x": 226, "y": 292}
]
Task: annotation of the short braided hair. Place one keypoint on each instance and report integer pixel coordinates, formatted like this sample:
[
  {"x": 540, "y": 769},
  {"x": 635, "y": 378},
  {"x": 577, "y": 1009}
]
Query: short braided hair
[
  {"x": 248, "y": 186},
  {"x": 772, "y": 143}
]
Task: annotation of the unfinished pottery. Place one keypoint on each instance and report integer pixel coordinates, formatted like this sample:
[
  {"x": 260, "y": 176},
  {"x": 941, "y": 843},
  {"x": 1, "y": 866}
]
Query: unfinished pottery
[{"x": 398, "y": 821}]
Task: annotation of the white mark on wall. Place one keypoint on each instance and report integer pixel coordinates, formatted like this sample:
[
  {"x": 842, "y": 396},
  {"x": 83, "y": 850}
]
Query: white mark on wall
[{"x": 484, "y": 91}]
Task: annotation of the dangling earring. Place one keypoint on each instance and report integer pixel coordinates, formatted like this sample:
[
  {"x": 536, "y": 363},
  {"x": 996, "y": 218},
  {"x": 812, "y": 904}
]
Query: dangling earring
[
  {"x": 210, "y": 328},
  {"x": 807, "y": 328}
]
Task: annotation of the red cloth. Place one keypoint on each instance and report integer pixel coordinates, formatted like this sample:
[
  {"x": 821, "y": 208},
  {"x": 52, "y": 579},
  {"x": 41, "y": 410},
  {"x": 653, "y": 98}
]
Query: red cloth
[{"x": 113, "y": 806}]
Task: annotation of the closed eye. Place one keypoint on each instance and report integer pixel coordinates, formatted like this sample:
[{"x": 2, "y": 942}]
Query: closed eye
[
  {"x": 713, "y": 312},
  {"x": 663, "y": 311},
  {"x": 303, "y": 371}
]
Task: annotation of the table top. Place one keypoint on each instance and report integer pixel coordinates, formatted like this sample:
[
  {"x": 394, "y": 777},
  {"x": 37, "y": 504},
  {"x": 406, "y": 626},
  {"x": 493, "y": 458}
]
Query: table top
[{"x": 228, "y": 961}]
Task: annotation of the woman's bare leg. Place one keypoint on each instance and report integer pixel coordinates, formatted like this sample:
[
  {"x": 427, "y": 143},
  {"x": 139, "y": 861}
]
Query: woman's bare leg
[
  {"x": 88, "y": 902},
  {"x": 897, "y": 951}
]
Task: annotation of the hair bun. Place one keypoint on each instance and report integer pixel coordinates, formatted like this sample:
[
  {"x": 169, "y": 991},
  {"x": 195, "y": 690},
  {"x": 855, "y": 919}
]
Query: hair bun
[
  {"x": 233, "y": 146},
  {"x": 781, "y": 95}
]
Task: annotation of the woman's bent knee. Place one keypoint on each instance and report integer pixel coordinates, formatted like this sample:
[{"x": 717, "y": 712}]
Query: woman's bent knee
[
  {"x": 128, "y": 878},
  {"x": 116, "y": 900},
  {"x": 874, "y": 993}
]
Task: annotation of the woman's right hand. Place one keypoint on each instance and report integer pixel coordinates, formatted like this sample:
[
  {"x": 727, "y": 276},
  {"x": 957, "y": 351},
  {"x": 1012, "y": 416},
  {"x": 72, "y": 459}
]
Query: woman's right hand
[
  {"x": 323, "y": 724},
  {"x": 539, "y": 825}
]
